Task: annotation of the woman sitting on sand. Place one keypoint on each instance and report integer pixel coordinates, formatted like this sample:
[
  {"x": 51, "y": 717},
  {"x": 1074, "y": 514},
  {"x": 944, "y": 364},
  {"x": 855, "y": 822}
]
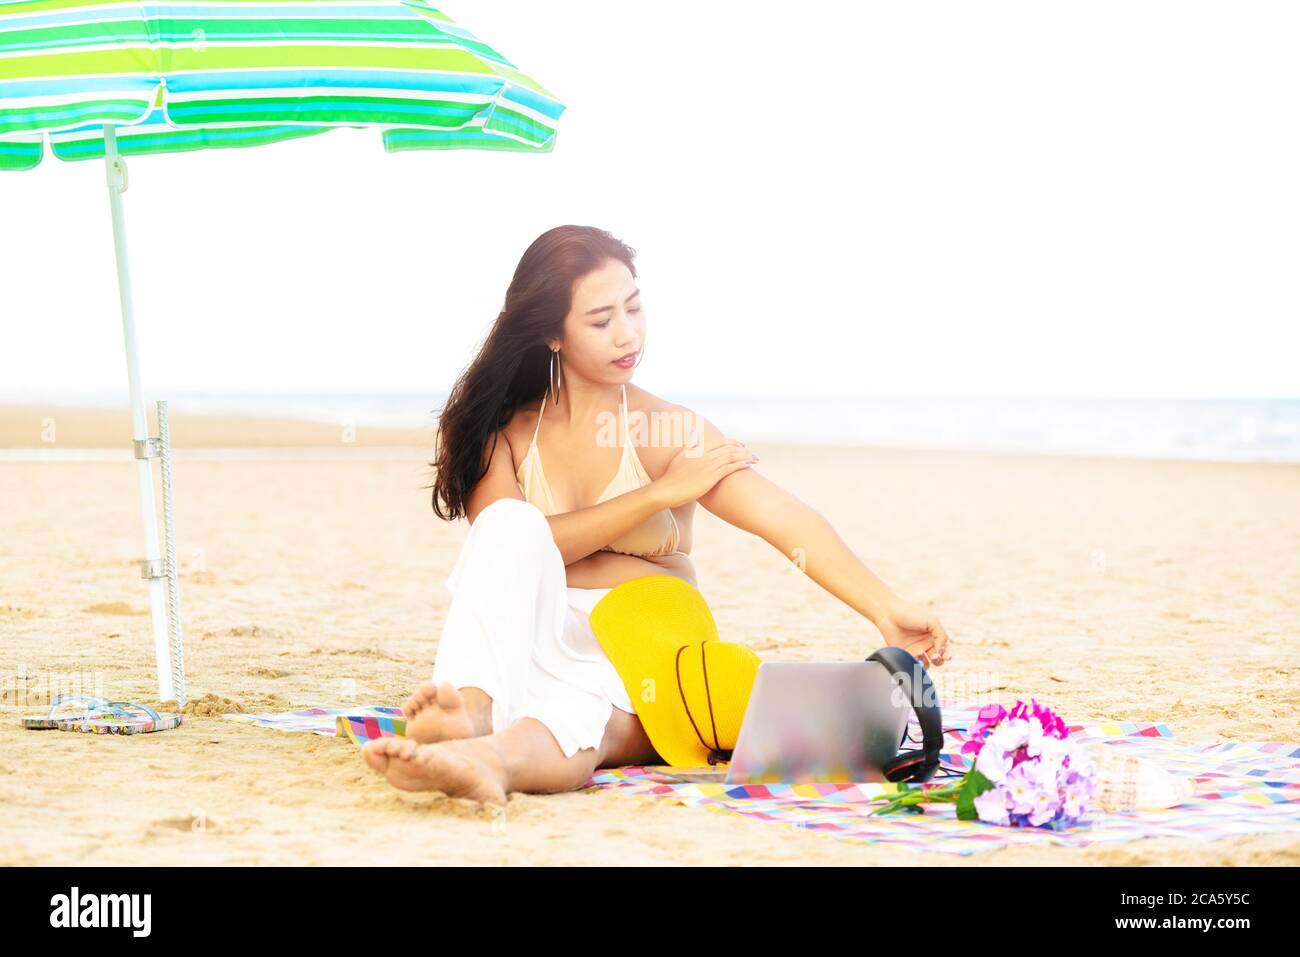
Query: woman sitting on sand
[{"x": 522, "y": 697}]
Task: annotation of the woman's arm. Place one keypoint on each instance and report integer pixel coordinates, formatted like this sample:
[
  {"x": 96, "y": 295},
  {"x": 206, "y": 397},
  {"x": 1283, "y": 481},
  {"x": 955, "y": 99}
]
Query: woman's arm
[
  {"x": 580, "y": 533},
  {"x": 755, "y": 504}
]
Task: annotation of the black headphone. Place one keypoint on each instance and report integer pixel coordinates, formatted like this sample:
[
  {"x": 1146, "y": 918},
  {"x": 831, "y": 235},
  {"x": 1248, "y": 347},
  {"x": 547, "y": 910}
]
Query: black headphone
[{"x": 913, "y": 765}]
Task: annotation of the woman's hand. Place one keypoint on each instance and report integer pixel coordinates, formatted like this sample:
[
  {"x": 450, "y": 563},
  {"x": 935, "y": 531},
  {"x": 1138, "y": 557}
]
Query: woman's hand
[
  {"x": 693, "y": 472},
  {"x": 917, "y": 631}
]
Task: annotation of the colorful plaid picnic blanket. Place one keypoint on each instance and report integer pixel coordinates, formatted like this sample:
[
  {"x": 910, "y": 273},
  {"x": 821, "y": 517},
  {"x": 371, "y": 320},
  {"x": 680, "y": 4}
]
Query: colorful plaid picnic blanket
[
  {"x": 1240, "y": 788},
  {"x": 358, "y": 725}
]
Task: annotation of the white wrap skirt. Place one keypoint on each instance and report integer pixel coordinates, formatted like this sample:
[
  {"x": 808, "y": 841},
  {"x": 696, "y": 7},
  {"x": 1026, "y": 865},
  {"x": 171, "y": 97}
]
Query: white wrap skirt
[{"x": 516, "y": 630}]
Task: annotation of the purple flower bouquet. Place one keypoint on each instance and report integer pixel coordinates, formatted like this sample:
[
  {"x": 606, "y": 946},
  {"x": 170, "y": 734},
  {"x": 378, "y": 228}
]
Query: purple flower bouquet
[{"x": 1028, "y": 773}]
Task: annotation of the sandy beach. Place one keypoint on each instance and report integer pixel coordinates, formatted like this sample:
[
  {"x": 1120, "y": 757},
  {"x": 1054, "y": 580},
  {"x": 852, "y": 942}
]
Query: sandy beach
[{"x": 1111, "y": 589}]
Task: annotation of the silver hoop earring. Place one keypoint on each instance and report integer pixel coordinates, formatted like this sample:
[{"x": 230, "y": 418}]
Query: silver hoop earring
[{"x": 555, "y": 377}]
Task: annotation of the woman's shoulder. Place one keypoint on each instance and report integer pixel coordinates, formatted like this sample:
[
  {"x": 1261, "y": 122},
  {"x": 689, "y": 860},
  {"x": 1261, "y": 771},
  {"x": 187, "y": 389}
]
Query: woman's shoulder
[
  {"x": 647, "y": 403},
  {"x": 664, "y": 424},
  {"x": 519, "y": 428},
  {"x": 512, "y": 436}
]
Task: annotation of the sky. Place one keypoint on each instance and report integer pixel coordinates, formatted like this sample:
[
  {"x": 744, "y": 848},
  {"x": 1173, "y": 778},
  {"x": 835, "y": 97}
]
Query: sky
[{"x": 825, "y": 198}]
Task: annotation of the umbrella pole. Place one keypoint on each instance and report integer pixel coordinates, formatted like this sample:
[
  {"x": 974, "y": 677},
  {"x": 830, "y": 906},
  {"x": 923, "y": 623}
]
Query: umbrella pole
[{"x": 152, "y": 566}]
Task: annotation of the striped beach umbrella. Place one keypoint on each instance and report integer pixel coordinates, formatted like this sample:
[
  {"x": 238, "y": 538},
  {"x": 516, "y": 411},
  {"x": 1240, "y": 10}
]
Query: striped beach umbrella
[
  {"x": 171, "y": 77},
  {"x": 106, "y": 79}
]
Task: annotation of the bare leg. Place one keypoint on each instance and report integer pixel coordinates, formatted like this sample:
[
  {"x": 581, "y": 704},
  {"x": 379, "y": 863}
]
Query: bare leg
[
  {"x": 626, "y": 742},
  {"x": 524, "y": 757},
  {"x": 437, "y": 712}
]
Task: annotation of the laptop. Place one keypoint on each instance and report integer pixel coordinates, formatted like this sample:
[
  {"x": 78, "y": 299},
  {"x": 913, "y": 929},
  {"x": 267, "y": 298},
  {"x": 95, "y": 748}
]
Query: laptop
[{"x": 812, "y": 722}]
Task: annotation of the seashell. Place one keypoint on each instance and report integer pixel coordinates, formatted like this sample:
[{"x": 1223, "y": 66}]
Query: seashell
[{"x": 1125, "y": 783}]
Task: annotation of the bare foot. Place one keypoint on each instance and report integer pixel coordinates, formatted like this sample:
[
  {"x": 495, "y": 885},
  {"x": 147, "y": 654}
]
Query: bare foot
[
  {"x": 440, "y": 713},
  {"x": 468, "y": 768}
]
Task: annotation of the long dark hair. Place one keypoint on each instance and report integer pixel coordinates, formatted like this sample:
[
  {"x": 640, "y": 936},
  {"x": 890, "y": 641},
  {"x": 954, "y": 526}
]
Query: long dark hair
[{"x": 513, "y": 366}]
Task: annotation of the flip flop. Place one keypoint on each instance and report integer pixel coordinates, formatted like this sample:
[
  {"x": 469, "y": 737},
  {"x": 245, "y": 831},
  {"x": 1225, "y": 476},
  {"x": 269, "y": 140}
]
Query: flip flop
[
  {"x": 74, "y": 706},
  {"x": 100, "y": 716}
]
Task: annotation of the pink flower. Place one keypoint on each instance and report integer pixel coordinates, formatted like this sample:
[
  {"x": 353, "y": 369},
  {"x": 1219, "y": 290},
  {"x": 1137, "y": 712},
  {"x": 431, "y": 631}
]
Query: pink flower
[
  {"x": 1038, "y": 778},
  {"x": 1051, "y": 723},
  {"x": 989, "y": 717},
  {"x": 1023, "y": 752}
]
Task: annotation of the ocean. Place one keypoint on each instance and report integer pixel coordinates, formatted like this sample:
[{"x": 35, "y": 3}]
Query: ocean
[{"x": 1235, "y": 430}]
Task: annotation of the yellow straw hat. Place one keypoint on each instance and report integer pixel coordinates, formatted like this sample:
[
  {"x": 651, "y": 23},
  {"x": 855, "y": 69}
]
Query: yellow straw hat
[{"x": 688, "y": 686}]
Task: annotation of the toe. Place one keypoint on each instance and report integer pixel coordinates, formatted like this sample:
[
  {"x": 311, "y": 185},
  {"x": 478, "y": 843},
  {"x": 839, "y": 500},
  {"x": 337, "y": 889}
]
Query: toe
[
  {"x": 419, "y": 700},
  {"x": 375, "y": 754},
  {"x": 449, "y": 696}
]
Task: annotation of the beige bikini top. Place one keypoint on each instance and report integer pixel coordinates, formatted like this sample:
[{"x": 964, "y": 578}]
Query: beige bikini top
[{"x": 657, "y": 535}]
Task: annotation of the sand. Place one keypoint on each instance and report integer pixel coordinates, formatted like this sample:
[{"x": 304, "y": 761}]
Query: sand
[
  {"x": 1111, "y": 589},
  {"x": 50, "y": 426}
]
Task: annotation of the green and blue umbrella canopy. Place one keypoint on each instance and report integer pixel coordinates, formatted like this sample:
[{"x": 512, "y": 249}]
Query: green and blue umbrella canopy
[{"x": 171, "y": 77}]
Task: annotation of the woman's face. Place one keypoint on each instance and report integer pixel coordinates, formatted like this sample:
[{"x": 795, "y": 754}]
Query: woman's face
[{"x": 605, "y": 323}]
